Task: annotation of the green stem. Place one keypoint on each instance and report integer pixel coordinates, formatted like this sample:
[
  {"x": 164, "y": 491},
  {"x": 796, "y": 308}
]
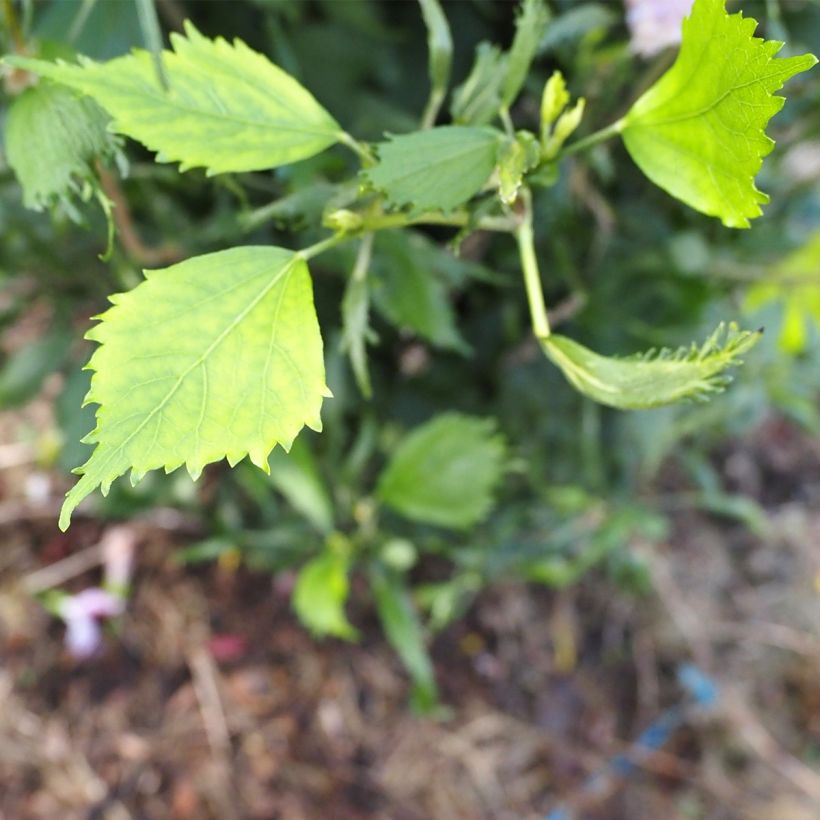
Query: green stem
[
  {"x": 506, "y": 120},
  {"x": 363, "y": 257},
  {"x": 529, "y": 265},
  {"x": 361, "y": 150},
  {"x": 457, "y": 219},
  {"x": 440, "y": 58},
  {"x": 593, "y": 139},
  {"x": 323, "y": 245},
  {"x": 428, "y": 118}
]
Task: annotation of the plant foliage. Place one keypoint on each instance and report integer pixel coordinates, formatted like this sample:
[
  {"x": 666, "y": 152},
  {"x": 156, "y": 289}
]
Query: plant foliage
[
  {"x": 227, "y": 107},
  {"x": 420, "y": 224},
  {"x": 445, "y": 472},
  {"x": 217, "y": 357},
  {"x": 698, "y": 132}
]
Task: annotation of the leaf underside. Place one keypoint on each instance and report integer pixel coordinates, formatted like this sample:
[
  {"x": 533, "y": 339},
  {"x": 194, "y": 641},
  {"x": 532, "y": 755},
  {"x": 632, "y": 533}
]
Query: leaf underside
[
  {"x": 445, "y": 472},
  {"x": 655, "y": 378},
  {"x": 699, "y": 132},
  {"x": 434, "y": 170},
  {"x": 52, "y": 138},
  {"x": 228, "y": 107},
  {"x": 218, "y": 356}
]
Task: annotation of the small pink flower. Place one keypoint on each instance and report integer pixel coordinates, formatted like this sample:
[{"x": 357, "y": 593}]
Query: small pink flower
[
  {"x": 655, "y": 24},
  {"x": 82, "y": 614}
]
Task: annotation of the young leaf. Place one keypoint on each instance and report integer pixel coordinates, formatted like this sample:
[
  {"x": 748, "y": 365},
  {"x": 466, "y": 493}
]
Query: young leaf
[
  {"x": 440, "y": 50},
  {"x": 400, "y": 622},
  {"x": 795, "y": 282},
  {"x": 228, "y": 107},
  {"x": 435, "y": 170},
  {"x": 218, "y": 356},
  {"x": 698, "y": 133},
  {"x": 320, "y": 594},
  {"x": 655, "y": 378},
  {"x": 439, "y": 43},
  {"x": 566, "y": 125},
  {"x": 554, "y": 100},
  {"x": 52, "y": 139},
  {"x": 445, "y": 472},
  {"x": 530, "y": 26},
  {"x": 478, "y": 99},
  {"x": 516, "y": 158}
]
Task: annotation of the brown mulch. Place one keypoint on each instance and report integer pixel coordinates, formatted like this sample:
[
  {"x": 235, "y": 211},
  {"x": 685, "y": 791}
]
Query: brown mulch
[{"x": 210, "y": 701}]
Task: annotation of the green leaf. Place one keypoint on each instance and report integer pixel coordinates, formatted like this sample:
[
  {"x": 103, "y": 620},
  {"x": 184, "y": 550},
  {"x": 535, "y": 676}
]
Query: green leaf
[
  {"x": 795, "y": 282},
  {"x": 445, "y": 472},
  {"x": 530, "y": 26},
  {"x": 218, "y": 356},
  {"x": 439, "y": 43},
  {"x": 654, "y": 378},
  {"x": 296, "y": 475},
  {"x": 320, "y": 595},
  {"x": 435, "y": 170},
  {"x": 554, "y": 100},
  {"x": 517, "y": 157},
  {"x": 408, "y": 292},
  {"x": 52, "y": 138},
  {"x": 478, "y": 99},
  {"x": 401, "y": 625},
  {"x": 698, "y": 133},
  {"x": 228, "y": 107},
  {"x": 564, "y": 128},
  {"x": 356, "y": 332}
]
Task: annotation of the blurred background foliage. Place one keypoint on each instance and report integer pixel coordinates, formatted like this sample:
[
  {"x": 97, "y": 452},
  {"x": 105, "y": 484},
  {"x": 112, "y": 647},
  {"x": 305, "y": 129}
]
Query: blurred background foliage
[{"x": 625, "y": 266}]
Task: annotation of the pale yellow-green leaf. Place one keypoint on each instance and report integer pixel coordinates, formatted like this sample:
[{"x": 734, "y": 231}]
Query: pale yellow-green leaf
[
  {"x": 320, "y": 594},
  {"x": 227, "y": 108},
  {"x": 698, "y": 132},
  {"x": 216, "y": 357}
]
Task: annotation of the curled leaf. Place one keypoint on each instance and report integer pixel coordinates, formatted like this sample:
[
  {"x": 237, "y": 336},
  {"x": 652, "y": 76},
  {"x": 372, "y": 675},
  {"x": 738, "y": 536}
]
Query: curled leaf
[{"x": 654, "y": 378}]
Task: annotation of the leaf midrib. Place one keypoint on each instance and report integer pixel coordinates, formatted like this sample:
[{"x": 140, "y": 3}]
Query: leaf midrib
[
  {"x": 700, "y": 112},
  {"x": 204, "y": 356}
]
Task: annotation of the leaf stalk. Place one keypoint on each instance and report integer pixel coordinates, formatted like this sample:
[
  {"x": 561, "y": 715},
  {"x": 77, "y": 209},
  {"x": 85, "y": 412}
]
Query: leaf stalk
[
  {"x": 603, "y": 135},
  {"x": 529, "y": 265}
]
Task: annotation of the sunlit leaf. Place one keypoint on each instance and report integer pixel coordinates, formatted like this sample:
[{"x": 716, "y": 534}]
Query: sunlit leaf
[
  {"x": 228, "y": 107},
  {"x": 698, "y": 132},
  {"x": 218, "y": 356}
]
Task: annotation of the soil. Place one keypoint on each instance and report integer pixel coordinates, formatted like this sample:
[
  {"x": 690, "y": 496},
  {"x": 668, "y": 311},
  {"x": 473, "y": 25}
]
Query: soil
[{"x": 209, "y": 700}]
